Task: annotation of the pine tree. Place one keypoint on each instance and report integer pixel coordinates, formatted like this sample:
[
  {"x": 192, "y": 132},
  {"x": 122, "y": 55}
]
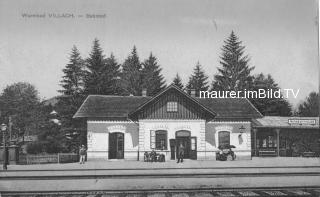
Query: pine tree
[
  {"x": 95, "y": 66},
  {"x": 178, "y": 81},
  {"x": 198, "y": 80},
  {"x": 109, "y": 80},
  {"x": 153, "y": 81},
  {"x": 71, "y": 98},
  {"x": 310, "y": 107},
  {"x": 269, "y": 106},
  {"x": 235, "y": 71},
  {"x": 131, "y": 74},
  {"x": 72, "y": 81}
]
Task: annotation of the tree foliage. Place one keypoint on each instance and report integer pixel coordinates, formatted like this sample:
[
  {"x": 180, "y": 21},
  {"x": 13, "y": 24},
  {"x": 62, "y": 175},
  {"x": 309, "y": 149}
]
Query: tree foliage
[
  {"x": 73, "y": 84},
  {"x": 178, "y": 81},
  {"x": 20, "y": 101},
  {"x": 131, "y": 74},
  {"x": 310, "y": 107},
  {"x": 234, "y": 73},
  {"x": 269, "y": 106},
  {"x": 153, "y": 81},
  {"x": 110, "y": 77},
  {"x": 73, "y": 79},
  {"x": 198, "y": 81},
  {"x": 102, "y": 74}
]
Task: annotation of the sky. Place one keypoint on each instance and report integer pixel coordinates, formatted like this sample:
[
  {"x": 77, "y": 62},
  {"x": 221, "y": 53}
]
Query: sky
[{"x": 280, "y": 36}]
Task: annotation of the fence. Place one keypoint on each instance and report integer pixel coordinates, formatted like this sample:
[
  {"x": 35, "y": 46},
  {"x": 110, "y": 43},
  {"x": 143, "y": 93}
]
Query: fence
[{"x": 48, "y": 158}]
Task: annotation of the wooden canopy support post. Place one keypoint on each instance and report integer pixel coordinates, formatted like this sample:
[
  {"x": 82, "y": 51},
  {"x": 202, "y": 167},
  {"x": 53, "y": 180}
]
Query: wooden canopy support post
[
  {"x": 278, "y": 142},
  {"x": 255, "y": 141}
]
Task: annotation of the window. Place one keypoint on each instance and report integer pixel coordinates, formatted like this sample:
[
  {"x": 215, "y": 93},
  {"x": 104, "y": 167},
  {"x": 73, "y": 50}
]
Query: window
[
  {"x": 172, "y": 106},
  {"x": 158, "y": 140},
  {"x": 224, "y": 138},
  {"x": 267, "y": 142}
]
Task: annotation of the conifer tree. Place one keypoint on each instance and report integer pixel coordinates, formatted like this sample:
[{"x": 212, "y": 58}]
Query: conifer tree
[
  {"x": 72, "y": 81},
  {"x": 153, "y": 81},
  {"x": 178, "y": 81},
  {"x": 109, "y": 80},
  {"x": 72, "y": 97},
  {"x": 310, "y": 107},
  {"x": 198, "y": 80},
  {"x": 234, "y": 73},
  {"x": 95, "y": 65},
  {"x": 269, "y": 106},
  {"x": 131, "y": 74}
]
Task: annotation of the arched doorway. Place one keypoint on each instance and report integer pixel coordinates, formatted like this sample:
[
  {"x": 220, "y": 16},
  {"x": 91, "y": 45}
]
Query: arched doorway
[
  {"x": 116, "y": 145},
  {"x": 190, "y": 146}
]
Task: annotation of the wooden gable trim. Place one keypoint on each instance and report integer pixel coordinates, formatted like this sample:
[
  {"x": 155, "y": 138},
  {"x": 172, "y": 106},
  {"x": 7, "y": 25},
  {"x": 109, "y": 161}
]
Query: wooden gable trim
[{"x": 132, "y": 114}]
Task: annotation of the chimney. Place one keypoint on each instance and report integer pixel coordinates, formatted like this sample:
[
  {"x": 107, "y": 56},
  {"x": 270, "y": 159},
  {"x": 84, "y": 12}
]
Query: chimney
[
  {"x": 193, "y": 93},
  {"x": 144, "y": 92}
]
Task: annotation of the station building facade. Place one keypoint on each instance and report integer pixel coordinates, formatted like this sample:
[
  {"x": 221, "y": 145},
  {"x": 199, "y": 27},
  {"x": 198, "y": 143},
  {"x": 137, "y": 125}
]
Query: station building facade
[{"x": 125, "y": 127}]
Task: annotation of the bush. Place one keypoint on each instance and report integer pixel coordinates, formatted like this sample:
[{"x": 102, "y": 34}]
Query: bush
[
  {"x": 35, "y": 148},
  {"x": 54, "y": 147}
]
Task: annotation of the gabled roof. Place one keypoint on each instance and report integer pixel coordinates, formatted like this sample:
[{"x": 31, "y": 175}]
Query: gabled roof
[
  {"x": 283, "y": 122},
  {"x": 231, "y": 108},
  {"x": 119, "y": 107},
  {"x": 107, "y": 106},
  {"x": 209, "y": 113}
]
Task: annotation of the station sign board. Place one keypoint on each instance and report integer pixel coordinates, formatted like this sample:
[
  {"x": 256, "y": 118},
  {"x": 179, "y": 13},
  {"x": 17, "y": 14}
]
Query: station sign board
[{"x": 302, "y": 121}]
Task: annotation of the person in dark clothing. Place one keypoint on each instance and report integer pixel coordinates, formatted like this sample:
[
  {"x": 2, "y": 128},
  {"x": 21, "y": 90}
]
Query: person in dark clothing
[{"x": 180, "y": 153}]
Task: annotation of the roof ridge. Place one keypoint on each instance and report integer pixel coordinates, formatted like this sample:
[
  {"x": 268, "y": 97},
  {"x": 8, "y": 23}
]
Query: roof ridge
[{"x": 102, "y": 95}]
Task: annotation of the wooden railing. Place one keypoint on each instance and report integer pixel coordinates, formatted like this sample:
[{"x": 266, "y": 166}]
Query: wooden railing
[{"x": 48, "y": 158}]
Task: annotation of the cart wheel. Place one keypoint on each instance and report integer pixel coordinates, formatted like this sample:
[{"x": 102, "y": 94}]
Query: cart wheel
[{"x": 229, "y": 158}]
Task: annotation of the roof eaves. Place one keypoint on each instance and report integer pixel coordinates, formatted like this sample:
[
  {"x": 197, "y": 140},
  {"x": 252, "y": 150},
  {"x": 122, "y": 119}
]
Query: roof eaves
[
  {"x": 76, "y": 114},
  {"x": 254, "y": 108}
]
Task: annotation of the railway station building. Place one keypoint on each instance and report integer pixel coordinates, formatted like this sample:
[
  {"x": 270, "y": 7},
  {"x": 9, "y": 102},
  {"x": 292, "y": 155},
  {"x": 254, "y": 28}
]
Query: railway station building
[{"x": 125, "y": 127}]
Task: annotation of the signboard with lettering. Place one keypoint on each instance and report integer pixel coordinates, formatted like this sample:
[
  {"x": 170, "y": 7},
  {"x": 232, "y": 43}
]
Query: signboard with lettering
[{"x": 302, "y": 121}]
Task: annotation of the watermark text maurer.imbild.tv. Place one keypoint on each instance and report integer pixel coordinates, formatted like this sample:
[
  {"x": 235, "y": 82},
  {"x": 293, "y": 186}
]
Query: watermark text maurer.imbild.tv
[{"x": 260, "y": 93}]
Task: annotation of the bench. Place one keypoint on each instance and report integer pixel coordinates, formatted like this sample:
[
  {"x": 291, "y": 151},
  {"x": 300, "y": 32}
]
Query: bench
[{"x": 267, "y": 153}]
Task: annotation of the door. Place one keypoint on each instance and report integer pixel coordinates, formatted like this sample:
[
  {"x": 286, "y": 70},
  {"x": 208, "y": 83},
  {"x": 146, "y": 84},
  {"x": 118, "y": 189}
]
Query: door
[
  {"x": 193, "y": 148},
  {"x": 172, "y": 148},
  {"x": 116, "y": 146},
  {"x": 185, "y": 141},
  {"x": 183, "y": 137}
]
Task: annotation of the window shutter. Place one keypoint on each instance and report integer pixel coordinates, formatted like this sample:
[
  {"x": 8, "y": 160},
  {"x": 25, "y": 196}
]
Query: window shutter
[{"x": 152, "y": 139}]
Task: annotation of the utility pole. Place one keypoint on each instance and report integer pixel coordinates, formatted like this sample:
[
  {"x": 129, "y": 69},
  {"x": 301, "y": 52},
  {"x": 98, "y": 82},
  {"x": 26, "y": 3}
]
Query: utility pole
[{"x": 10, "y": 129}]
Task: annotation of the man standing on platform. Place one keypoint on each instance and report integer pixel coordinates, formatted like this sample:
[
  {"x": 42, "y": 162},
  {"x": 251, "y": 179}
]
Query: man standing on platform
[
  {"x": 82, "y": 153},
  {"x": 180, "y": 153}
]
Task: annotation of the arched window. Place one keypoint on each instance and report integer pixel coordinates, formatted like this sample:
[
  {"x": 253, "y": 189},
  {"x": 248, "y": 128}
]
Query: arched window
[
  {"x": 224, "y": 138},
  {"x": 159, "y": 139}
]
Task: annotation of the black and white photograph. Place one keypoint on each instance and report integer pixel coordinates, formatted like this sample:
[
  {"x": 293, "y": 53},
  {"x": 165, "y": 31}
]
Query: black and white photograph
[{"x": 159, "y": 98}]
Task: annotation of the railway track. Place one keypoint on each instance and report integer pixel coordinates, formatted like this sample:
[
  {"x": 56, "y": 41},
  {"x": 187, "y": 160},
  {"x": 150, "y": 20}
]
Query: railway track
[
  {"x": 226, "y": 192},
  {"x": 162, "y": 176},
  {"x": 157, "y": 173},
  {"x": 175, "y": 182}
]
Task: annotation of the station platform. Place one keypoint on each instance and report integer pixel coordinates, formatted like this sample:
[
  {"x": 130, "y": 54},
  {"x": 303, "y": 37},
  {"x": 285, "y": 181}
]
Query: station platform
[{"x": 257, "y": 162}]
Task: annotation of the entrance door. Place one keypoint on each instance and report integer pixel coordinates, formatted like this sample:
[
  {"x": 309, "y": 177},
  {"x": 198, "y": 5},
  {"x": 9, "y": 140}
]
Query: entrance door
[
  {"x": 172, "y": 149},
  {"x": 185, "y": 141},
  {"x": 183, "y": 137},
  {"x": 116, "y": 146},
  {"x": 193, "y": 149}
]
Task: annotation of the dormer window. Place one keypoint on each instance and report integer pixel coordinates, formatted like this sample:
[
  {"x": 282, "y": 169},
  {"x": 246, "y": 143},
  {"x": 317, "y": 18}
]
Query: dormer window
[{"x": 172, "y": 106}]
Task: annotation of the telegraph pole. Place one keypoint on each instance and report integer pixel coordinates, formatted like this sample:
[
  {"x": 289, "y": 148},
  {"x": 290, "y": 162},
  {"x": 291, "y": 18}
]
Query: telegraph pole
[{"x": 10, "y": 129}]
